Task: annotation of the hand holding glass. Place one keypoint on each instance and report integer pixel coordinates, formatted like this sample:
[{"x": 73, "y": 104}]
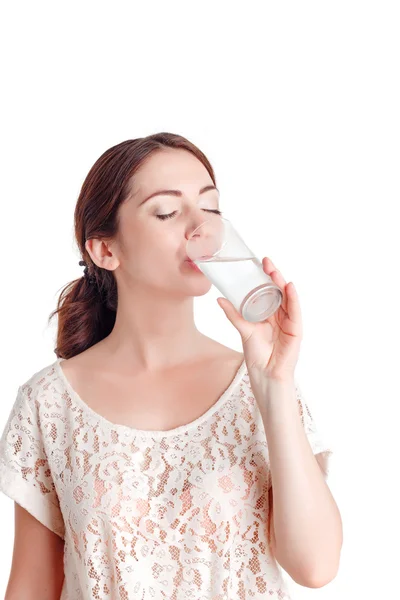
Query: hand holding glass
[{"x": 221, "y": 254}]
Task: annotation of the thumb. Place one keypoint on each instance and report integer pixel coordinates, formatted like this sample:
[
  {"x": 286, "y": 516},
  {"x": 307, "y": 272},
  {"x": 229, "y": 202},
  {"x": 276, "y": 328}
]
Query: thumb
[{"x": 244, "y": 327}]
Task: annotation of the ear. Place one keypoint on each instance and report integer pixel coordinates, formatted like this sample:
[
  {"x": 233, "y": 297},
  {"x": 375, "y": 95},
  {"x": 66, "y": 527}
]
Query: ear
[{"x": 102, "y": 254}]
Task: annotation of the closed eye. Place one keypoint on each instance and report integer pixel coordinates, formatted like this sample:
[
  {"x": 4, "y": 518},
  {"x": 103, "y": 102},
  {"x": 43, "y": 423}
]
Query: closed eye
[{"x": 169, "y": 216}]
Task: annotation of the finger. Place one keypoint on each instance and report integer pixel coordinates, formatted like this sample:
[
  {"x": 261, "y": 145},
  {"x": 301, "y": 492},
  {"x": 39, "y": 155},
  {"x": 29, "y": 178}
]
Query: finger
[
  {"x": 270, "y": 267},
  {"x": 293, "y": 305},
  {"x": 277, "y": 278}
]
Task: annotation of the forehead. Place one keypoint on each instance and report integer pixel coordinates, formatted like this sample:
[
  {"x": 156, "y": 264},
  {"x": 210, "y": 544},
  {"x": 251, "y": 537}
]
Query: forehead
[{"x": 170, "y": 169}]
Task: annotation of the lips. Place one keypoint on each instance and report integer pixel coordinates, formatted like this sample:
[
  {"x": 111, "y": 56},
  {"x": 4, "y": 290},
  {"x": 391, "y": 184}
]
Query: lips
[{"x": 193, "y": 264}]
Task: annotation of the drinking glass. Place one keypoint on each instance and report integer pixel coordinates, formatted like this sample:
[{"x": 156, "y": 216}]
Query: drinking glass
[{"x": 224, "y": 258}]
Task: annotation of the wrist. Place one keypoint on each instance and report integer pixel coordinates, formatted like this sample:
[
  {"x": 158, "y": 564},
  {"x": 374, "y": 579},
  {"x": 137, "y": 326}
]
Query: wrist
[{"x": 262, "y": 385}]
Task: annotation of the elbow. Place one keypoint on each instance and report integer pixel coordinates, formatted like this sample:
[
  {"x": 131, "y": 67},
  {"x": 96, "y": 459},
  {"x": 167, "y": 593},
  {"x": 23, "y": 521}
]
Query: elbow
[
  {"x": 315, "y": 575},
  {"x": 316, "y": 579},
  {"x": 316, "y": 583},
  {"x": 310, "y": 573}
]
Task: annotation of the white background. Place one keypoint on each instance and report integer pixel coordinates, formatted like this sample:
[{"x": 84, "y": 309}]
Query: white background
[{"x": 296, "y": 104}]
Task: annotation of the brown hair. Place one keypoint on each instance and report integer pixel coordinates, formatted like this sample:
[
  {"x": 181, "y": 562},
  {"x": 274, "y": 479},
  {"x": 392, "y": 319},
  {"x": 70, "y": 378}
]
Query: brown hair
[{"x": 86, "y": 312}]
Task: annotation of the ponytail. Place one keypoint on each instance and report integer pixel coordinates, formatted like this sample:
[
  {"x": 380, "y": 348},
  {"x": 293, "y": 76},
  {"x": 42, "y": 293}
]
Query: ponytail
[{"x": 86, "y": 312}]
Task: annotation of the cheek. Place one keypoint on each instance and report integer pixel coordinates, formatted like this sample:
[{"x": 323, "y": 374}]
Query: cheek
[{"x": 150, "y": 251}]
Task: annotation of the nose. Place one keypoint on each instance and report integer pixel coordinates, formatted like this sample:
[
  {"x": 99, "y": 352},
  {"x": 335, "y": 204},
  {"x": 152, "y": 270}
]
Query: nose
[{"x": 196, "y": 218}]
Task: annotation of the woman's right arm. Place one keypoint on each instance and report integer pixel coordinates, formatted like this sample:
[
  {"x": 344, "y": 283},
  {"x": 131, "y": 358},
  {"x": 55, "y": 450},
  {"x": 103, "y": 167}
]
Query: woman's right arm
[{"x": 37, "y": 569}]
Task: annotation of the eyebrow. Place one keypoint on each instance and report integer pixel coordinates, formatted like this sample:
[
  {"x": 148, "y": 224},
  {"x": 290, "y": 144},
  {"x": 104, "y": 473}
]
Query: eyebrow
[{"x": 177, "y": 193}]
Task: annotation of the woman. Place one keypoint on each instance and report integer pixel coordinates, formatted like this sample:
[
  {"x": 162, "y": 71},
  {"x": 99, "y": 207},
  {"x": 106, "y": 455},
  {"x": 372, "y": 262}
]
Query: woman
[{"x": 149, "y": 461}]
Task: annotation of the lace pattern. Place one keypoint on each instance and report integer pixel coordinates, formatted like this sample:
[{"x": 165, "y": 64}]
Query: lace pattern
[{"x": 178, "y": 514}]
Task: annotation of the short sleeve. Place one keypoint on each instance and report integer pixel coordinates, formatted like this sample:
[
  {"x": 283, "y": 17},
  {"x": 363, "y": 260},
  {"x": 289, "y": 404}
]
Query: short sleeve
[
  {"x": 318, "y": 445},
  {"x": 25, "y": 475}
]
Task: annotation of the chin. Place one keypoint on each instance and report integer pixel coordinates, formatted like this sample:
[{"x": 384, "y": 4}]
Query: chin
[{"x": 196, "y": 285}]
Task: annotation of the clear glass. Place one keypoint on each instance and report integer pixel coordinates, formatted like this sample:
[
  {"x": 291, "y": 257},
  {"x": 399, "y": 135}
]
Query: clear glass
[{"x": 224, "y": 258}]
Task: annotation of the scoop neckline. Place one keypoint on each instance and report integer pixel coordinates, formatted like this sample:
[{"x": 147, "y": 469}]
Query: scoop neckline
[{"x": 151, "y": 432}]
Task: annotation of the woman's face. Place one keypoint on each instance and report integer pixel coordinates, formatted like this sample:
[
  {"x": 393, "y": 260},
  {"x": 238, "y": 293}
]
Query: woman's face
[{"x": 152, "y": 249}]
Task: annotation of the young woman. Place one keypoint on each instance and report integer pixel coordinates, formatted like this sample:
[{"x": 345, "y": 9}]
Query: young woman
[{"x": 150, "y": 461}]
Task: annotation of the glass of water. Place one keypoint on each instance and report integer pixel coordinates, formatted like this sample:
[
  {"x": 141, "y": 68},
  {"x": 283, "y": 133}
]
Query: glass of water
[{"x": 221, "y": 254}]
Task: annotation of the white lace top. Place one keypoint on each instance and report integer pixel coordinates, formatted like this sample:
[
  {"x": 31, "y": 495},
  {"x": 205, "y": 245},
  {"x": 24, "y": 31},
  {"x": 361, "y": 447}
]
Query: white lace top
[{"x": 179, "y": 514}]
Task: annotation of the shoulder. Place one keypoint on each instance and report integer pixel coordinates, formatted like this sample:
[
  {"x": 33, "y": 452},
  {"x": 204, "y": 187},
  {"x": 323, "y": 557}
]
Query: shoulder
[
  {"x": 225, "y": 354},
  {"x": 41, "y": 386}
]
